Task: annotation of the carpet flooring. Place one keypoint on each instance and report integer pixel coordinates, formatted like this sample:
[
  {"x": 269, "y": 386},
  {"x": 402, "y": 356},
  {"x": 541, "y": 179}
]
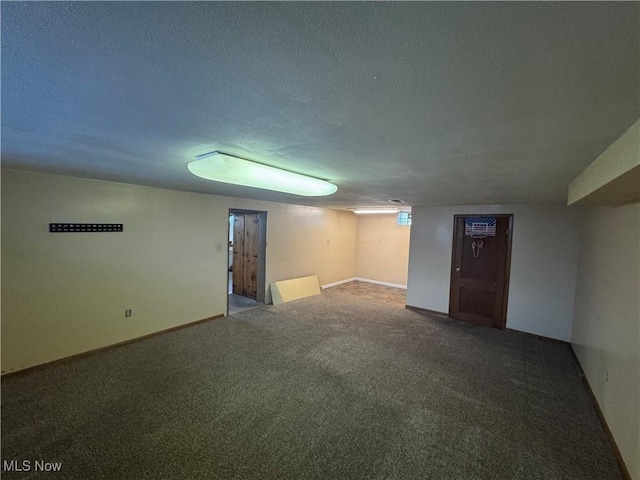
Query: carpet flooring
[
  {"x": 374, "y": 292},
  {"x": 336, "y": 386},
  {"x": 238, "y": 304}
]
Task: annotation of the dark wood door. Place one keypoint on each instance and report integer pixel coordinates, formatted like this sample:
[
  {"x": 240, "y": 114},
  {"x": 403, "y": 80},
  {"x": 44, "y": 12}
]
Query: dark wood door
[
  {"x": 480, "y": 269},
  {"x": 245, "y": 254}
]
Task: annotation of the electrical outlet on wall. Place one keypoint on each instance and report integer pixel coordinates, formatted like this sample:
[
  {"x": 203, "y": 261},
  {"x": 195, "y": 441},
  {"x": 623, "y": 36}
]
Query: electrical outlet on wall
[
  {"x": 606, "y": 375},
  {"x": 127, "y": 313}
]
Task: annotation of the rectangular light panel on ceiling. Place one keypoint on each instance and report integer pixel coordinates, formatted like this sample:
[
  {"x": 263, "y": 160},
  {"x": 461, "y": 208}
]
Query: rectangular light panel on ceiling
[{"x": 224, "y": 168}]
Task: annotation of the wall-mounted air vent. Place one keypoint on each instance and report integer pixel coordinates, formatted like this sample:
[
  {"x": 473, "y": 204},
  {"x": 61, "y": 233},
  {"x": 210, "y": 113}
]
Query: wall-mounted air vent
[{"x": 84, "y": 227}]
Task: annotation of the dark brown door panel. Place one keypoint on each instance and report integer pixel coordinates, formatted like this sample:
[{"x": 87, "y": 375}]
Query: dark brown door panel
[{"x": 480, "y": 269}]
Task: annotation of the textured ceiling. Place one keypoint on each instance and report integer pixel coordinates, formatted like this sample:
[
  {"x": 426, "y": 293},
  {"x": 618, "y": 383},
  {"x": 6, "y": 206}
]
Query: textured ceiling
[{"x": 433, "y": 103}]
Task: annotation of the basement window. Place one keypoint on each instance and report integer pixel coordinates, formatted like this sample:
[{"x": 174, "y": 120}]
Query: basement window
[{"x": 404, "y": 218}]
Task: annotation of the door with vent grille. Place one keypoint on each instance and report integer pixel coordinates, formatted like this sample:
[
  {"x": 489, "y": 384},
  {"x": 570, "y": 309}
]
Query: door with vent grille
[{"x": 480, "y": 269}]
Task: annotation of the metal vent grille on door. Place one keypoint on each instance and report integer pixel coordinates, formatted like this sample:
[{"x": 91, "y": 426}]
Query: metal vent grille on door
[{"x": 480, "y": 227}]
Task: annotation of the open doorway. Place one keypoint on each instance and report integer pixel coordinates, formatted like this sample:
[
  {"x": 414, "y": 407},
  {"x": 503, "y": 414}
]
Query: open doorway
[{"x": 246, "y": 264}]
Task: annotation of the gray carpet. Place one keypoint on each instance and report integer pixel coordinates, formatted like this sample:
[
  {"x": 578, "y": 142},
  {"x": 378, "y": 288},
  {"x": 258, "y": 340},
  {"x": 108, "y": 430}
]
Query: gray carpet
[
  {"x": 331, "y": 387},
  {"x": 239, "y": 304}
]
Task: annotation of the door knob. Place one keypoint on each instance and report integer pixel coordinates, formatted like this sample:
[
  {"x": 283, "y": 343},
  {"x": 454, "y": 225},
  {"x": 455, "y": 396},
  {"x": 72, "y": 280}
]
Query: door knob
[{"x": 458, "y": 269}]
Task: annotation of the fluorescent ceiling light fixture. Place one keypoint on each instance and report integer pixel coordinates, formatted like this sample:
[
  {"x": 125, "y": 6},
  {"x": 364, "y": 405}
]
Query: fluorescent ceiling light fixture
[
  {"x": 360, "y": 211},
  {"x": 224, "y": 168}
]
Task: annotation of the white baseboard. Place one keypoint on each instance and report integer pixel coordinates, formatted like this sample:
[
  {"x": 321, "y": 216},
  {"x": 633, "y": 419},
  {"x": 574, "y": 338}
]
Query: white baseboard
[
  {"x": 339, "y": 282},
  {"x": 378, "y": 282}
]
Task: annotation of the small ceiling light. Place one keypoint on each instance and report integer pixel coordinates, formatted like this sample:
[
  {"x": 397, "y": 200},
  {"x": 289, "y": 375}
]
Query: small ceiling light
[
  {"x": 361, "y": 211},
  {"x": 224, "y": 168}
]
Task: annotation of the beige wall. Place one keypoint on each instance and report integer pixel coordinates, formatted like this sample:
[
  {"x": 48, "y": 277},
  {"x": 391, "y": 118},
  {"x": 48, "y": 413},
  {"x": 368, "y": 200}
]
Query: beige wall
[
  {"x": 543, "y": 263},
  {"x": 606, "y": 321},
  {"x": 63, "y": 294},
  {"x": 382, "y": 249}
]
